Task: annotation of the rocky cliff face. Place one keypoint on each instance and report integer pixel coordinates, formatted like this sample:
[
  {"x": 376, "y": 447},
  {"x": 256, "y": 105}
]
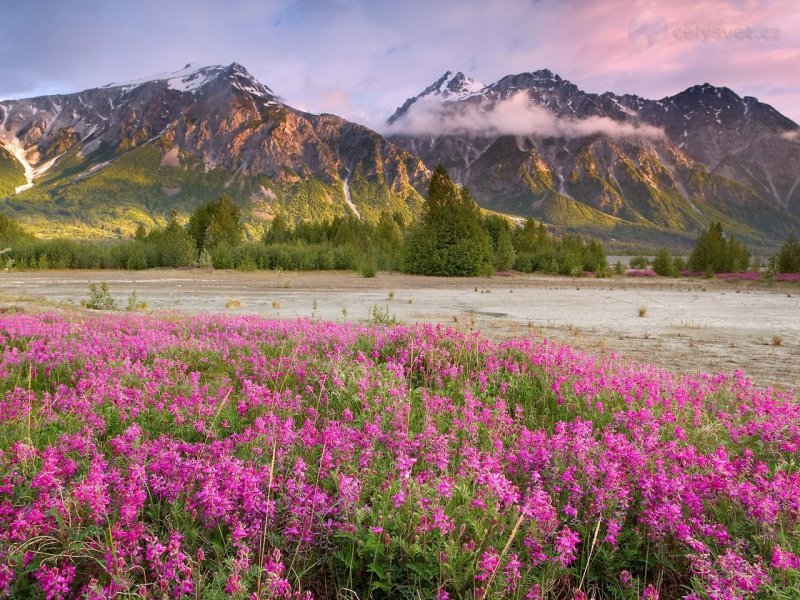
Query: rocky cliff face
[
  {"x": 622, "y": 166},
  {"x": 137, "y": 150}
]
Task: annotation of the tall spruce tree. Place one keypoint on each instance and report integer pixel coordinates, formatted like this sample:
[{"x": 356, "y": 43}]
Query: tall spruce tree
[
  {"x": 450, "y": 239},
  {"x": 171, "y": 246},
  {"x": 499, "y": 230},
  {"x": 278, "y": 232},
  {"x": 388, "y": 242}
]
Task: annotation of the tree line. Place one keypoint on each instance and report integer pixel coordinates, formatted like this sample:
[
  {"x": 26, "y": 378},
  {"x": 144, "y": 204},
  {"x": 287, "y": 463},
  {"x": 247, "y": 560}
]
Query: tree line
[
  {"x": 451, "y": 238},
  {"x": 716, "y": 251}
]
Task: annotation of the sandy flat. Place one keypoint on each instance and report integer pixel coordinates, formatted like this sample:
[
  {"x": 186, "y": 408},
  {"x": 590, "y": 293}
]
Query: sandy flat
[{"x": 689, "y": 325}]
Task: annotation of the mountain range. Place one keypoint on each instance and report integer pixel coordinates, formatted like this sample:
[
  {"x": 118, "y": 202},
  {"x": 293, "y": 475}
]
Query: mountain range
[
  {"x": 98, "y": 162},
  {"x": 535, "y": 144}
]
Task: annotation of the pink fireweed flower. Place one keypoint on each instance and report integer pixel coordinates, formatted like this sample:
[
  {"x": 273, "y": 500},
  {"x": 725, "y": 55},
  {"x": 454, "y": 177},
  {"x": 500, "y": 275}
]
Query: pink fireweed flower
[
  {"x": 487, "y": 565},
  {"x": 318, "y": 447},
  {"x": 55, "y": 582},
  {"x": 650, "y": 593},
  {"x": 784, "y": 560},
  {"x": 513, "y": 573},
  {"x": 566, "y": 543},
  {"x": 625, "y": 578},
  {"x": 534, "y": 593},
  {"x": 399, "y": 499}
]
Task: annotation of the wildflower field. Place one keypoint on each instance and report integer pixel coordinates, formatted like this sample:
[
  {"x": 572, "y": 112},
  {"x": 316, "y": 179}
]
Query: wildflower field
[{"x": 237, "y": 457}]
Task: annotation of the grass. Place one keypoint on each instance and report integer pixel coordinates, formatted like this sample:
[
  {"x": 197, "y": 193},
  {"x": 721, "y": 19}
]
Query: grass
[
  {"x": 688, "y": 324},
  {"x": 641, "y": 311}
]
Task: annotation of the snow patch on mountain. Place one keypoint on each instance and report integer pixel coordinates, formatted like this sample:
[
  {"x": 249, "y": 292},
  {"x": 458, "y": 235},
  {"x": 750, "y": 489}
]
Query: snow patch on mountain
[
  {"x": 189, "y": 79},
  {"x": 792, "y": 136},
  {"x": 455, "y": 86},
  {"x": 347, "y": 198},
  {"x": 14, "y": 147},
  {"x": 449, "y": 87}
]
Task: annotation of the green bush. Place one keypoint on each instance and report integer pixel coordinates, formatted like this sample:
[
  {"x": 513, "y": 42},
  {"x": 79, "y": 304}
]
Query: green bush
[
  {"x": 663, "y": 263},
  {"x": 369, "y": 267},
  {"x": 100, "y": 298}
]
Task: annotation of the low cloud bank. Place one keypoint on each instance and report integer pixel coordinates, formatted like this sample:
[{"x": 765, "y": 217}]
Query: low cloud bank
[{"x": 515, "y": 115}]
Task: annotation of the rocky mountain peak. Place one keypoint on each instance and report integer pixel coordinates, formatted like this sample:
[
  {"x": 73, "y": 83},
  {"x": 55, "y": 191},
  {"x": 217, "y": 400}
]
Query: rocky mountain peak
[
  {"x": 708, "y": 95},
  {"x": 193, "y": 78},
  {"x": 543, "y": 79},
  {"x": 450, "y": 86}
]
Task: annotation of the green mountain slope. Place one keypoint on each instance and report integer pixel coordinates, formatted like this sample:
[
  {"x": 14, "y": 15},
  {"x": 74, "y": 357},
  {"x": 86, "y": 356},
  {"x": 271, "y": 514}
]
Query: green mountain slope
[{"x": 11, "y": 173}]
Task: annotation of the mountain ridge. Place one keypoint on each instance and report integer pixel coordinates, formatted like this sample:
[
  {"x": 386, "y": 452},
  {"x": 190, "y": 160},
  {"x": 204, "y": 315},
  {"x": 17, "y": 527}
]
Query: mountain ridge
[{"x": 537, "y": 145}]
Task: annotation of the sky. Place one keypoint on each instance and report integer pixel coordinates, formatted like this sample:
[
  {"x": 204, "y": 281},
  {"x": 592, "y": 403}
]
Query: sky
[{"x": 362, "y": 58}]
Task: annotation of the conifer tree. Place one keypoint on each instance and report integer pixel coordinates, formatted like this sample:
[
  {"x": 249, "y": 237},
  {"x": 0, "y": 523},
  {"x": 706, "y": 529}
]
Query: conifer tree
[
  {"x": 663, "y": 263},
  {"x": 450, "y": 239},
  {"x": 278, "y": 232},
  {"x": 714, "y": 252},
  {"x": 499, "y": 231},
  {"x": 216, "y": 223},
  {"x": 789, "y": 256}
]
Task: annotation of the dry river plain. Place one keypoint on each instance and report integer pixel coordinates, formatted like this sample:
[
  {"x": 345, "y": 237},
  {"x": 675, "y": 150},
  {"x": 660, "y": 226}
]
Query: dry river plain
[{"x": 685, "y": 325}]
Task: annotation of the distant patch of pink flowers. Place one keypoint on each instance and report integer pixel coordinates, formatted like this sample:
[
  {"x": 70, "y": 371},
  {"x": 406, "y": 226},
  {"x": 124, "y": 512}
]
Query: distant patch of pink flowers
[{"x": 640, "y": 273}]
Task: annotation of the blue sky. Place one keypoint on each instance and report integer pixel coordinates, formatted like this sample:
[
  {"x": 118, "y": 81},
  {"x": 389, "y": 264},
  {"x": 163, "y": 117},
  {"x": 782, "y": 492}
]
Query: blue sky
[{"x": 363, "y": 58}]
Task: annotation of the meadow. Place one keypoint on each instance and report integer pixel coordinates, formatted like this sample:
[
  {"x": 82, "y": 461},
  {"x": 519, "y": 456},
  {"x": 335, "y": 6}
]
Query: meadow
[{"x": 234, "y": 456}]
